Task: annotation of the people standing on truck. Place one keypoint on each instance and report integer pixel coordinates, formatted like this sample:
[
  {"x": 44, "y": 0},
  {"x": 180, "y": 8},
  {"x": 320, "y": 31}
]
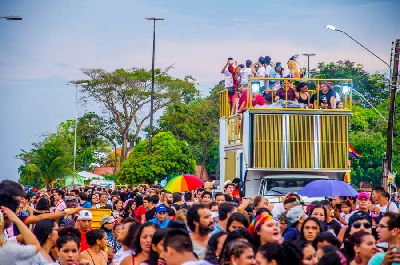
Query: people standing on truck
[
  {"x": 261, "y": 73},
  {"x": 285, "y": 93},
  {"x": 277, "y": 72},
  {"x": 231, "y": 83}
]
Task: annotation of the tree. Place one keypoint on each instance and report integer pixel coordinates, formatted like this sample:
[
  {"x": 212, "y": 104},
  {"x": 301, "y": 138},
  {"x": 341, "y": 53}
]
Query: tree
[
  {"x": 46, "y": 162},
  {"x": 196, "y": 122},
  {"x": 169, "y": 158},
  {"x": 125, "y": 97}
]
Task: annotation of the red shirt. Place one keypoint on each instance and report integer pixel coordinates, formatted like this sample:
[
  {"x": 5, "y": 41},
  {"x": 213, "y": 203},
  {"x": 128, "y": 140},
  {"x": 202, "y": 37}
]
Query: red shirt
[
  {"x": 258, "y": 100},
  {"x": 84, "y": 244},
  {"x": 139, "y": 212}
]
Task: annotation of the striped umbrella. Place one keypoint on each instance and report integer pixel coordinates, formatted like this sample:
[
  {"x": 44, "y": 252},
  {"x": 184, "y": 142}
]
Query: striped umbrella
[{"x": 183, "y": 183}]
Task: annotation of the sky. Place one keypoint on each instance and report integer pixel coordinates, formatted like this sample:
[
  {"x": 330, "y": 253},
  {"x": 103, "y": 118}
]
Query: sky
[{"x": 56, "y": 39}]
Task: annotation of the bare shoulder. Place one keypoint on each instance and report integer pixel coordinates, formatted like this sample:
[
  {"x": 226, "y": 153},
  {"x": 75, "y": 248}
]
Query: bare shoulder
[{"x": 127, "y": 260}]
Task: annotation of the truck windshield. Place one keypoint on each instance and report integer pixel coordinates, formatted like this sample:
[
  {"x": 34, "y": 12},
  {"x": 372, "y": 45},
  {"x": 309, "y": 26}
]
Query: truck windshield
[{"x": 280, "y": 186}]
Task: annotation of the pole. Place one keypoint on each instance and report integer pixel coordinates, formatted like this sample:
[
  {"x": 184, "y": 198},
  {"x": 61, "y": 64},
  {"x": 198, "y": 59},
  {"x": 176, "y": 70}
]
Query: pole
[
  {"x": 392, "y": 108},
  {"x": 152, "y": 84},
  {"x": 308, "y": 62},
  {"x": 76, "y": 125}
]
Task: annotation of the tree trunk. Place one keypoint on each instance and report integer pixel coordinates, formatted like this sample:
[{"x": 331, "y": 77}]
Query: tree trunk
[
  {"x": 115, "y": 159},
  {"x": 124, "y": 150},
  {"x": 205, "y": 152}
]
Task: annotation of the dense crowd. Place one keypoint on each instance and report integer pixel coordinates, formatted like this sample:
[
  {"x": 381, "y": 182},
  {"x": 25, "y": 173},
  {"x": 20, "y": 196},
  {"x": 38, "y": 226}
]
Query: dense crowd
[
  {"x": 236, "y": 82},
  {"x": 149, "y": 225}
]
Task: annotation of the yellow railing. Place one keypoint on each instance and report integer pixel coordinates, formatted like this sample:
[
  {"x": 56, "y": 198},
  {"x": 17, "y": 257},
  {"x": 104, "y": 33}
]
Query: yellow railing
[
  {"x": 224, "y": 110},
  {"x": 234, "y": 130},
  {"x": 288, "y": 83}
]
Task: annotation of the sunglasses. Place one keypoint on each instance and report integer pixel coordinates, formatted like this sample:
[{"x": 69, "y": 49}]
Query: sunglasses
[{"x": 359, "y": 224}]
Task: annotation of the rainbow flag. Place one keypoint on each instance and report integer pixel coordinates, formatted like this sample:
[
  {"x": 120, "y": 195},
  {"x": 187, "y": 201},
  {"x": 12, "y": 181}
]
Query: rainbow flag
[{"x": 354, "y": 153}]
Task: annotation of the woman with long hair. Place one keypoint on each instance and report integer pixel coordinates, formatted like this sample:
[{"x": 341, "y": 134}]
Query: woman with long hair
[
  {"x": 46, "y": 231},
  {"x": 141, "y": 245},
  {"x": 310, "y": 229},
  {"x": 129, "y": 209},
  {"x": 214, "y": 249},
  {"x": 235, "y": 221},
  {"x": 279, "y": 254},
  {"x": 308, "y": 251},
  {"x": 156, "y": 250},
  {"x": 42, "y": 206},
  {"x": 125, "y": 236},
  {"x": 265, "y": 230},
  {"x": 97, "y": 240},
  {"x": 360, "y": 248},
  {"x": 118, "y": 210},
  {"x": 238, "y": 252}
]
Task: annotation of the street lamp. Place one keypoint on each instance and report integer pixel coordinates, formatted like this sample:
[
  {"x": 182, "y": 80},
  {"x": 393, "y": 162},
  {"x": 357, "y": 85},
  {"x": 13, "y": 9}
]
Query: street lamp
[
  {"x": 308, "y": 62},
  {"x": 12, "y": 17},
  {"x": 154, "y": 19},
  {"x": 333, "y": 28},
  {"x": 387, "y": 162}
]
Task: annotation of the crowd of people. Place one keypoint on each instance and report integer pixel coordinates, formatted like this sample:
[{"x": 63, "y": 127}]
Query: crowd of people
[
  {"x": 236, "y": 82},
  {"x": 149, "y": 225}
]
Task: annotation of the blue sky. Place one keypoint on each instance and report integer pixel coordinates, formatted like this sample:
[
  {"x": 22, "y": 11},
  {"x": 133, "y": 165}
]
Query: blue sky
[{"x": 55, "y": 39}]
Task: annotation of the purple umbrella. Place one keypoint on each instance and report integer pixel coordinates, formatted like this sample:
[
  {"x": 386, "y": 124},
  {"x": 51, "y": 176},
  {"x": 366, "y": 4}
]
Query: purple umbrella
[{"x": 327, "y": 188}]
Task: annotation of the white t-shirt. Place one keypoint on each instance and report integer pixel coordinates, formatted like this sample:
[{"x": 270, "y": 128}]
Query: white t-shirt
[
  {"x": 244, "y": 75},
  {"x": 261, "y": 73},
  {"x": 268, "y": 69},
  {"x": 392, "y": 208},
  {"x": 16, "y": 254},
  {"x": 277, "y": 210},
  {"x": 228, "y": 78}
]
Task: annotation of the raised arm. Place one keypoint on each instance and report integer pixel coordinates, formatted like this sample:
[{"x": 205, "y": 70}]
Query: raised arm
[
  {"x": 27, "y": 234},
  {"x": 37, "y": 218},
  {"x": 224, "y": 68}
]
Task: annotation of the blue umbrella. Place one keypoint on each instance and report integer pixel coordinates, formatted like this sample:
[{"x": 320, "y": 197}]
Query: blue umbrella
[{"x": 328, "y": 188}]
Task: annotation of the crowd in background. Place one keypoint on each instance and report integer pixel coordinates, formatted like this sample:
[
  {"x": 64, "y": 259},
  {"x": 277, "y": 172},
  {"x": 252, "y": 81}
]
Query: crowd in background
[{"x": 149, "y": 225}]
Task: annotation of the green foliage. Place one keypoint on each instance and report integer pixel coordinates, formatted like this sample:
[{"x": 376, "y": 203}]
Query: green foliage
[
  {"x": 196, "y": 122},
  {"x": 169, "y": 158}
]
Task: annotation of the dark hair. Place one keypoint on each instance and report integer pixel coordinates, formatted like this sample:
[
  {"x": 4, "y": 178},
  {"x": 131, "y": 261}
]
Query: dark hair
[
  {"x": 8, "y": 200},
  {"x": 128, "y": 208},
  {"x": 176, "y": 197},
  {"x": 301, "y": 236},
  {"x": 345, "y": 202},
  {"x": 300, "y": 85},
  {"x": 240, "y": 233},
  {"x": 155, "y": 199},
  {"x": 76, "y": 191},
  {"x": 179, "y": 240},
  {"x": 261, "y": 60},
  {"x": 135, "y": 244},
  {"x": 212, "y": 204},
  {"x": 354, "y": 240},
  {"x": 60, "y": 193},
  {"x": 359, "y": 216},
  {"x": 394, "y": 220},
  {"x": 115, "y": 203},
  {"x": 248, "y": 63},
  {"x": 239, "y": 218},
  {"x": 326, "y": 236},
  {"x": 12, "y": 187},
  {"x": 319, "y": 206},
  {"x": 138, "y": 200},
  {"x": 234, "y": 248},
  {"x": 329, "y": 249},
  {"x": 130, "y": 235},
  {"x": 68, "y": 234},
  {"x": 224, "y": 209},
  {"x": 257, "y": 200},
  {"x": 379, "y": 190},
  {"x": 332, "y": 258},
  {"x": 211, "y": 255},
  {"x": 43, "y": 229},
  {"x": 206, "y": 193},
  {"x": 193, "y": 215},
  {"x": 283, "y": 254},
  {"x": 83, "y": 196},
  {"x": 290, "y": 200},
  {"x": 187, "y": 196},
  {"x": 157, "y": 237},
  {"x": 218, "y": 194},
  {"x": 93, "y": 236}
]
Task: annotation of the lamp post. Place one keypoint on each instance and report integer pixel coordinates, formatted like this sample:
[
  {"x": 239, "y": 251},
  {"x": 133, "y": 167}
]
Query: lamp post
[
  {"x": 154, "y": 19},
  {"x": 12, "y": 17},
  {"x": 387, "y": 162},
  {"x": 308, "y": 62}
]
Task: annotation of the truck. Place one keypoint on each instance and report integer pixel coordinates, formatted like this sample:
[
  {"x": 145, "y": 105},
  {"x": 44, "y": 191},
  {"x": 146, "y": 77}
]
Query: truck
[{"x": 280, "y": 147}]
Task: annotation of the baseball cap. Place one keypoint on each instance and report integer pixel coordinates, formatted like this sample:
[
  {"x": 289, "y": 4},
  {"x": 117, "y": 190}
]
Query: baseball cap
[
  {"x": 84, "y": 214},
  {"x": 107, "y": 220},
  {"x": 161, "y": 208},
  {"x": 363, "y": 195}
]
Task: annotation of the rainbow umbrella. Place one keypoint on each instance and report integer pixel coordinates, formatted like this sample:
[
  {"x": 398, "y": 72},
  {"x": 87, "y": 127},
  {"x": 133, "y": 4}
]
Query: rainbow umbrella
[{"x": 183, "y": 183}]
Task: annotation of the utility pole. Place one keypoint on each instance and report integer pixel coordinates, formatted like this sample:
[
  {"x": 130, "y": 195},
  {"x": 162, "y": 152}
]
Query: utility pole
[
  {"x": 308, "y": 62},
  {"x": 152, "y": 82},
  {"x": 387, "y": 163}
]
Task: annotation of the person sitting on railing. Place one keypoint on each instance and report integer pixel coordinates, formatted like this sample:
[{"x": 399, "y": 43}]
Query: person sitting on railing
[
  {"x": 302, "y": 94},
  {"x": 231, "y": 83},
  {"x": 326, "y": 98},
  {"x": 258, "y": 100},
  {"x": 286, "y": 93}
]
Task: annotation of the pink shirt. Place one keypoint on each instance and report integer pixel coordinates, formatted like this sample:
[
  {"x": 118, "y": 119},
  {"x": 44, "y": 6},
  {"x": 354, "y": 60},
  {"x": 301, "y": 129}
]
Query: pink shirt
[{"x": 60, "y": 206}]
